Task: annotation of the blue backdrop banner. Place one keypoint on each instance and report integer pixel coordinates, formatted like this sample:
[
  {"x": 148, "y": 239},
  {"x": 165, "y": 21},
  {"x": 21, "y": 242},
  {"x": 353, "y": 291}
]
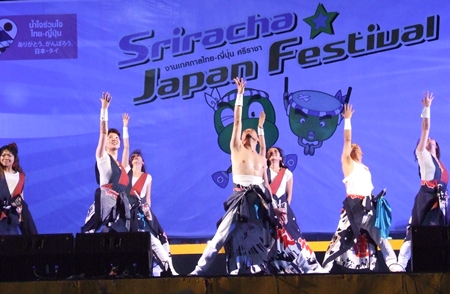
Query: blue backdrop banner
[{"x": 171, "y": 64}]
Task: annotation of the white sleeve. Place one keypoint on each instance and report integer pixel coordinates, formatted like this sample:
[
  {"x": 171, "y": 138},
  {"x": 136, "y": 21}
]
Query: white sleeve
[
  {"x": 149, "y": 178},
  {"x": 288, "y": 175},
  {"x": 104, "y": 157},
  {"x": 104, "y": 168},
  {"x": 11, "y": 180},
  {"x": 426, "y": 165}
]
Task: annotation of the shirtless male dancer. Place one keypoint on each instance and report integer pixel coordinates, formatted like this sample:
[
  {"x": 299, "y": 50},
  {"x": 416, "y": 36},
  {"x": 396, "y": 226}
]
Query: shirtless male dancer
[{"x": 245, "y": 228}]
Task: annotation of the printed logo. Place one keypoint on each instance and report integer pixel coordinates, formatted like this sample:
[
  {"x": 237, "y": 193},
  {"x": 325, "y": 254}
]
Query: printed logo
[{"x": 8, "y": 31}]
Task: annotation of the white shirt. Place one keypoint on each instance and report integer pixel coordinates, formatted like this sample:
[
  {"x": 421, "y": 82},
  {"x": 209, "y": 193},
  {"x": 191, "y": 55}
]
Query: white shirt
[
  {"x": 104, "y": 168},
  {"x": 148, "y": 179},
  {"x": 426, "y": 165},
  {"x": 12, "y": 180},
  {"x": 359, "y": 181},
  {"x": 286, "y": 177}
]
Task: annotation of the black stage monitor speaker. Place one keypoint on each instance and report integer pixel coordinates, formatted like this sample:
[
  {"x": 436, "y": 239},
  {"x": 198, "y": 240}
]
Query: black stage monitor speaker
[
  {"x": 103, "y": 255},
  {"x": 430, "y": 249},
  {"x": 36, "y": 257}
]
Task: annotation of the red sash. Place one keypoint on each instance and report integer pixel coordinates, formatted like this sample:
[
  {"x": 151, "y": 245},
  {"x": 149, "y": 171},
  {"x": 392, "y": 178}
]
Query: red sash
[
  {"x": 137, "y": 187},
  {"x": 277, "y": 181},
  {"x": 19, "y": 186},
  {"x": 123, "y": 180},
  {"x": 17, "y": 190}
]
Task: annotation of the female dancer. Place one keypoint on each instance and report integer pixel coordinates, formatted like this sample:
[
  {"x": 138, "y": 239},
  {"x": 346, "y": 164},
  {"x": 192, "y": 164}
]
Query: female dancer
[
  {"x": 430, "y": 204},
  {"x": 14, "y": 212},
  {"x": 142, "y": 217},
  {"x": 291, "y": 254}
]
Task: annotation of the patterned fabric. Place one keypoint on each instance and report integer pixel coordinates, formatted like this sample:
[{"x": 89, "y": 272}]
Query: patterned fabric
[
  {"x": 142, "y": 217},
  {"x": 252, "y": 230},
  {"x": 431, "y": 202},
  {"x": 352, "y": 246},
  {"x": 111, "y": 207},
  {"x": 362, "y": 255},
  {"x": 291, "y": 253}
]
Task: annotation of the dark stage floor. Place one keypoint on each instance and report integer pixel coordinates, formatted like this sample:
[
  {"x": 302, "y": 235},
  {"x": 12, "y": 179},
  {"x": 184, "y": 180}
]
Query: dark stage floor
[{"x": 48, "y": 268}]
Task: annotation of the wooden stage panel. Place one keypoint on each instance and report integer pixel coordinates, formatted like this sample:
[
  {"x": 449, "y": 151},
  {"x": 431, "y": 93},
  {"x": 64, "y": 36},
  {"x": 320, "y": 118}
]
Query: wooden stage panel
[{"x": 429, "y": 283}]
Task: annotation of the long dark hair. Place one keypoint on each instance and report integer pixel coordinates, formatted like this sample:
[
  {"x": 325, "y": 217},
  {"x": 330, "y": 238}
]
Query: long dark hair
[
  {"x": 281, "y": 154},
  {"x": 14, "y": 150},
  {"x": 137, "y": 152},
  {"x": 438, "y": 153},
  {"x": 438, "y": 150}
]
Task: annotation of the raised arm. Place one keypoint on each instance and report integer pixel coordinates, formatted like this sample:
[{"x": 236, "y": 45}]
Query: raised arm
[
  {"x": 237, "y": 124},
  {"x": 346, "y": 160},
  {"x": 262, "y": 140},
  {"x": 426, "y": 102},
  {"x": 106, "y": 99},
  {"x": 126, "y": 140},
  {"x": 266, "y": 180}
]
